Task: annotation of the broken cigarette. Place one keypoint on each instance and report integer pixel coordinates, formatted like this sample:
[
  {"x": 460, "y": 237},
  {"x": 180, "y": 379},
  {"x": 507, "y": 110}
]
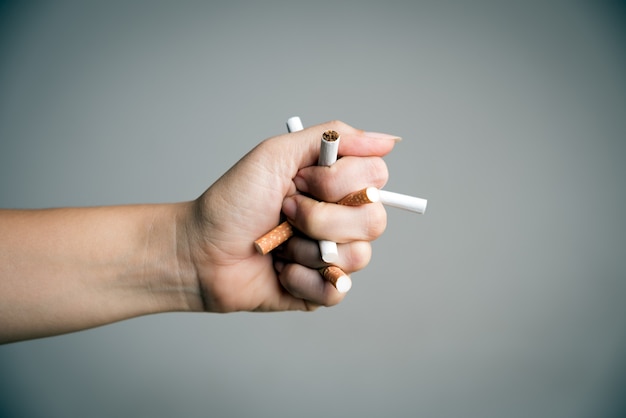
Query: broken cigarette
[
  {"x": 337, "y": 278},
  {"x": 402, "y": 201},
  {"x": 329, "y": 148},
  {"x": 274, "y": 238},
  {"x": 361, "y": 197},
  {"x": 397, "y": 200},
  {"x": 327, "y": 157},
  {"x": 294, "y": 124}
]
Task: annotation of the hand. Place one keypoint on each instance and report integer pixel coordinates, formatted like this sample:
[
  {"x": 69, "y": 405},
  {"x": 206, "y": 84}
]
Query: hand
[{"x": 281, "y": 175}]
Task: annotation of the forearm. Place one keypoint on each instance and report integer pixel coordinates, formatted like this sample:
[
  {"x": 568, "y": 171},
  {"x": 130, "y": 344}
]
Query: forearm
[{"x": 63, "y": 270}]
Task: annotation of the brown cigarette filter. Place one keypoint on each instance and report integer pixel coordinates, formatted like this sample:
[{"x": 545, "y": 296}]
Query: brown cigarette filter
[
  {"x": 274, "y": 238},
  {"x": 361, "y": 197},
  {"x": 337, "y": 278}
]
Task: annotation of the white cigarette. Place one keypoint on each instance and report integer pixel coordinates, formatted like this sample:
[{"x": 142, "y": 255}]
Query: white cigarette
[
  {"x": 328, "y": 156},
  {"x": 402, "y": 201},
  {"x": 329, "y": 148},
  {"x": 294, "y": 124}
]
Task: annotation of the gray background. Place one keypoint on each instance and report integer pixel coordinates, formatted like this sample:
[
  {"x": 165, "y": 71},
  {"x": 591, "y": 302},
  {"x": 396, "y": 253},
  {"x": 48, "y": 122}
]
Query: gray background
[{"x": 505, "y": 300}]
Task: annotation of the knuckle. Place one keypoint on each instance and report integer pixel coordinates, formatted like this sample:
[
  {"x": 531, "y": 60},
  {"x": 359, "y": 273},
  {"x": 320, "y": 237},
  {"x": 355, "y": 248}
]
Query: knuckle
[
  {"x": 338, "y": 126},
  {"x": 331, "y": 301},
  {"x": 377, "y": 222},
  {"x": 380, "y": 170},
  {"x": 311, "y": 217},
  {"x": 324, "y": 182},
  {"x": 336, "y": 123},
  {"x": 359, "y": 256},
  {"x": 320, "y": 181}
]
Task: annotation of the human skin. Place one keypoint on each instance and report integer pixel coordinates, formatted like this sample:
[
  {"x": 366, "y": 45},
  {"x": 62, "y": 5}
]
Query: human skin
[{"x": 68, "y": 269}]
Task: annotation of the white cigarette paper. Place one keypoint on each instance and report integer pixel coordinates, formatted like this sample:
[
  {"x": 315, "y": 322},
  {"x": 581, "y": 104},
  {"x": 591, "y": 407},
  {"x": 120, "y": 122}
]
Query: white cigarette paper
[
  {"x": 294, "y": 124},
  {"x": 328, "y": 156},
  {"x": 329, "y": 148},
  {"x": 402, "y": 201}
]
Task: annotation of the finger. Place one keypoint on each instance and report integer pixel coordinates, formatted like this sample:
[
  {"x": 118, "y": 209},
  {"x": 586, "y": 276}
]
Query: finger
[
  {"x": 353, "y": 256},
  {"x": 286, "y": 154},
  {"x": 339, "y": 223},
  {"x": 309, "y": 285},
  {"x": 347, "y": 175},
  {"x": 364, "y": 144}
]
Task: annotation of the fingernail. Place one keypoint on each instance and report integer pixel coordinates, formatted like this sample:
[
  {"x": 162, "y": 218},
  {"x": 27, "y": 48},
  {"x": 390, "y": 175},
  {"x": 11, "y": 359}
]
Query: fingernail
[
  {"x": 290, "y": 207},
  {"x": 380, "y": 135}
]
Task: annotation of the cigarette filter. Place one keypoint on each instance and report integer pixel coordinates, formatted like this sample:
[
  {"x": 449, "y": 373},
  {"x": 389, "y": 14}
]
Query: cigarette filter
[
  {"x": 337, "y": 277},
  {"x": 274, "y": 238},
  {"x": 361, "y": 197}
]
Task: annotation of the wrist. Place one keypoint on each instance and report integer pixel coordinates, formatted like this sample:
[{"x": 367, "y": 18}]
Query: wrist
[{"x": 173, "y": 266}]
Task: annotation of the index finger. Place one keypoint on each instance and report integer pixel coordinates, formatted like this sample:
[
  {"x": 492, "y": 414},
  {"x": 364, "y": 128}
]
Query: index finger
[
  {"x": 355, "y": 142},
  {"x": 367, "y": 144}
]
